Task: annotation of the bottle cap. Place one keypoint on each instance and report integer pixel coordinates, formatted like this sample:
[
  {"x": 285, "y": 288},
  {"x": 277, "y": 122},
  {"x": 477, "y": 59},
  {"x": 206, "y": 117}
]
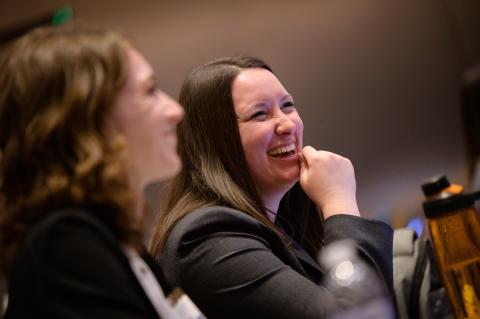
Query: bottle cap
[
  {"x": 435, "y": 184},
  {"x": 453, "y": 203}
]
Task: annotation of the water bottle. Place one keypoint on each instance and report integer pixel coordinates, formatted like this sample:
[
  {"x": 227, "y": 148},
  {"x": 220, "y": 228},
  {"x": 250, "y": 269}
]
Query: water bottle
[
  {"x": 357, "y": 288},
  {"x": 454, "y": 228}
]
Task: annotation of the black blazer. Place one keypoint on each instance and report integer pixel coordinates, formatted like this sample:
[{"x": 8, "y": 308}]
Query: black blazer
[
  {"x": 73, "y": 266},
  {"x": 232, "y": 266}
]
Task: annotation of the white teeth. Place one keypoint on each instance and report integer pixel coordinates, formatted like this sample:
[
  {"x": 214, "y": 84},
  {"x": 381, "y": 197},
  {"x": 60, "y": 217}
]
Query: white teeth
[{"x": 283, "y": 149}]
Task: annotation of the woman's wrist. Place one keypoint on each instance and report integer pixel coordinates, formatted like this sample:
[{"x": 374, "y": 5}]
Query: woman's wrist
[{"x": 339, "y": 207}]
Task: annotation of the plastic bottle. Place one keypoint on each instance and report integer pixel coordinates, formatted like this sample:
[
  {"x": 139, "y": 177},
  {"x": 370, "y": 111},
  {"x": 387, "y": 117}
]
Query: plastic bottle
[
  {"x": 355, "y": 285},
  {"x": 454, "y": 228}
]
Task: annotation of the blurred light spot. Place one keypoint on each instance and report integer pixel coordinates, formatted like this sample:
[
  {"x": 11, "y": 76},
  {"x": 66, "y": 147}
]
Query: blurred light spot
[
  {"x": 344, "y": 273},
  {"x": 416, "y": 224}
]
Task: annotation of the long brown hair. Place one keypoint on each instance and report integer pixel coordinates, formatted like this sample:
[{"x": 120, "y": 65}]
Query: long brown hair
[
  {"x": 215, "y": 171},
  {"x": 58, "y": 84}
]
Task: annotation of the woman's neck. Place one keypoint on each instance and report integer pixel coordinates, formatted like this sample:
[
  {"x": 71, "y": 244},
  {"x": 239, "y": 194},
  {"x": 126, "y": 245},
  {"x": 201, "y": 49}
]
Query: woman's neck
[{"x": 271, "y": 203}]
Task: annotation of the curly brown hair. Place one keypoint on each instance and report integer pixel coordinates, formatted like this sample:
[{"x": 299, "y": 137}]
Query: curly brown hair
[{"x": 58, "y": 84}]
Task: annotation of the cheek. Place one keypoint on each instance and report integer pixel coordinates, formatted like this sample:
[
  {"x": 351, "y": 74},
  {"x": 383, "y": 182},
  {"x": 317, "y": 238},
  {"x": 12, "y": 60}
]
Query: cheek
[
  {"x": 254, "y": 140},
  {"x": 125, "y": 113},
  {"x": 120, "y": 120},
  {"x": 299, "y": 124},
  {"x": 242, "y": 130},
  {"x": 140, "y": 128},
  {"x": 145, "y": 117}
]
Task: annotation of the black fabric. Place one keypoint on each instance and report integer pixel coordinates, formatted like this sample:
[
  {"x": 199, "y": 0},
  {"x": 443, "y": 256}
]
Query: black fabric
[
  {"x": 374, "y": 241},
  {"x": 438, "y": 303},
  {"x": 72, "y": 266},
  {"x": 419, "y": 273},
  {"x": 232, "y": 266}
]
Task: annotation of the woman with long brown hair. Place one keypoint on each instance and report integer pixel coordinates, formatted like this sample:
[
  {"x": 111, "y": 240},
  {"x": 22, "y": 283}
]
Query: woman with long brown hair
[
  {"x": 238, "y": 233},
  {"x": 83, "y": 130}
]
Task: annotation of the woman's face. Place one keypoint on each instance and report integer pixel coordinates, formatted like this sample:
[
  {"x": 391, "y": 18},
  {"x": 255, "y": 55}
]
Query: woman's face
[
  {"x": 270, "y": 130},
  {"x": 147, "y": 119}
]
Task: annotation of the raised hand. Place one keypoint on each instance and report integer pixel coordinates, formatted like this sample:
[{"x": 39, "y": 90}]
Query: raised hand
[{"x": 329, "y": 180}]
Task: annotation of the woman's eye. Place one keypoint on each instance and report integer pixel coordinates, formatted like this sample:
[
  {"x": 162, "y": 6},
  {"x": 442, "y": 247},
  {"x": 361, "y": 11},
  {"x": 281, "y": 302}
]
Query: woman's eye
[
  {"x": 153, "y": 90},
  {"x": 287, "y": 107},
  {"x": 260, "y": 115}
]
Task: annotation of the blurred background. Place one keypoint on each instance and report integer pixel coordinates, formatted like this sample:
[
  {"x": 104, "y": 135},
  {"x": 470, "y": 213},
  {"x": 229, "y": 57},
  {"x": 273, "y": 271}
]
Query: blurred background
[{"x": 374, "y": 80}]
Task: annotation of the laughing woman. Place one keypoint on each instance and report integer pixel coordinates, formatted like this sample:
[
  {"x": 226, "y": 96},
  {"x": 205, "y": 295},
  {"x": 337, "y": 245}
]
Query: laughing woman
[
  {"x": 83, "y": 130},
  {"x": 236, "y": 233}
]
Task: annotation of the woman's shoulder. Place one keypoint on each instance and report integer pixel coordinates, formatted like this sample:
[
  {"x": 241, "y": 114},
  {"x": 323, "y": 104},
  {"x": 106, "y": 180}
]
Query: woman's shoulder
[
  {"x": 73, "y": 217},
  {"x": 73, "y": 253},
  {"x": 68, "y": 239},
  {"x": 217, "y": 221},
  {"x": 218, "y": 213},
  {"x": 68, "y": 223},
  {"x": 213, "y": 218},
  {"x": 208, "y": 235}
]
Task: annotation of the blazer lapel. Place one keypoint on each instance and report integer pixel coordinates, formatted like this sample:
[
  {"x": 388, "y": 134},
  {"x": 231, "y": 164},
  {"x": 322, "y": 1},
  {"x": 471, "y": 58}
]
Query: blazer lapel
[
  {"x": 304, "y": 257},
  {"x": 311, "y": 268}
]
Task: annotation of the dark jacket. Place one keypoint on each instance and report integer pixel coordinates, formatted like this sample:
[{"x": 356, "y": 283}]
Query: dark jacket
[
  {"x": 232, "y": 266},
  {"x": 73, "y": 266}
]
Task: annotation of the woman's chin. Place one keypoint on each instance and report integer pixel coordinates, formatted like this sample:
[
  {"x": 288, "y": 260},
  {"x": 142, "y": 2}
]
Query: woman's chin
[
  {"x": 166, "y": 170},
  {"x": 288, "y": 182},
  {"x": 174, "y": 167},
  {"x": 292, "y": 175}
]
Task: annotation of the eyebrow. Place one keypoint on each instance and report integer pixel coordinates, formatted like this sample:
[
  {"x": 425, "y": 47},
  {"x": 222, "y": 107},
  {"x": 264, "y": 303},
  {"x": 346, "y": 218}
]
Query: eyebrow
[{"x": 287, "y": 96}]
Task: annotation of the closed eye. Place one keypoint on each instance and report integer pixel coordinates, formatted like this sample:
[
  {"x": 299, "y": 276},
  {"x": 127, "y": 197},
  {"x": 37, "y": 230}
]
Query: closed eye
[
  {"x": 259, "y": 116},
  {"x": 153, "y": 89},
  {"x": 288, "y": 107}
]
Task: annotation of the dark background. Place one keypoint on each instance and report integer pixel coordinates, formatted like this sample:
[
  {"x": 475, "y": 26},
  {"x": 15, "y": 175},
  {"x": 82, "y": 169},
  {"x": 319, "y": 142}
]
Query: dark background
[{"x": 377, "y": 81}]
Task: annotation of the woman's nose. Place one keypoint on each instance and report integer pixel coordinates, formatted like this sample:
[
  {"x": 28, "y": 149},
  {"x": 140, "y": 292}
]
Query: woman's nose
[
  {"x": 175, "y": 111},
  {"x": 285, "y": 125}
]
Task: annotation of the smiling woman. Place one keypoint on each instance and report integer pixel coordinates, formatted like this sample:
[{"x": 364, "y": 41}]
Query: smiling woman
[
  {"x": 83, "y": 130},
  {"x": 238, "y": 233},
  {"x": 270, "y": 131},
  {"x": 147, "y": 119}
]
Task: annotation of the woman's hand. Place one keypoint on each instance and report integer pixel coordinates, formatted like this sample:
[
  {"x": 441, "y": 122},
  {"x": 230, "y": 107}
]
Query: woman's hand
[{"x": 329, "y": 180}]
